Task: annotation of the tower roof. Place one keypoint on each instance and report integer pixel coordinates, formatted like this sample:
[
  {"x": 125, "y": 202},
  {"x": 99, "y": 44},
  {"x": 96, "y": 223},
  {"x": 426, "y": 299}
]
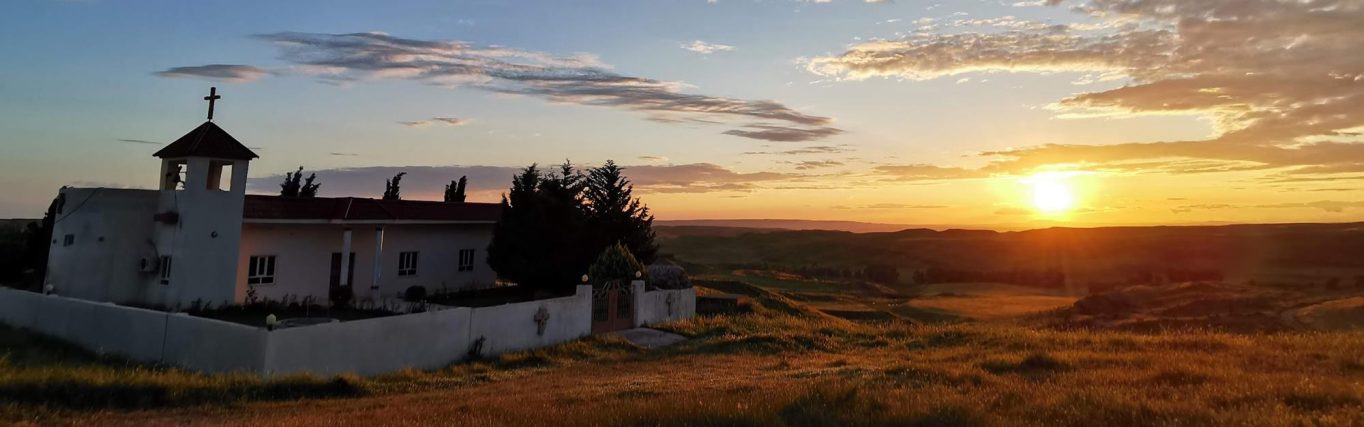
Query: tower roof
[{"x": 207, "y": 140}]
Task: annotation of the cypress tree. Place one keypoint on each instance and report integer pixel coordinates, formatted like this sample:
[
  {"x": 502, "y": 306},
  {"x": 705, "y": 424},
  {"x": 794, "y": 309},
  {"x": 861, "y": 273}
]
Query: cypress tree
[{"x": 614, "y": 215}]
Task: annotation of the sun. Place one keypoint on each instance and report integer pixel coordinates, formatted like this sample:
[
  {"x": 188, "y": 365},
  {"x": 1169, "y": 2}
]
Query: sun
[{"x": 1052, "y": 192}]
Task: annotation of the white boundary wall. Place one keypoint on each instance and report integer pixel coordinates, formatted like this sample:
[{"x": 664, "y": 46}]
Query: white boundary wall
[
  {"x": 422, "y": 340},
  {"x": 653, "y": 307},
  {"x": 513, "y": 327}
]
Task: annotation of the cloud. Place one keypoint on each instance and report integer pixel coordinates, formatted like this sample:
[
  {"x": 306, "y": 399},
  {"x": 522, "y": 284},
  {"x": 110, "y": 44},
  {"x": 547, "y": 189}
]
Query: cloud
[
  {"x": 817, "y": 164},
  {"x": 1012, "y": 211},
  {"x": 923, "y": 172},
  {"x": 813, "y": 149},
  {"x": 579, "y": 79},
  {"x": 1333, "y": 206},
  {"x": 1282, "y": 81},
  {"x": 140, "y": 141},
  {"x": 783, "y": 133},
  {"x": 653, "y": 158},
  {"x": 705, "y": 48},
  {"x": 448, "y": 121},
  {"x": 487, "y": 182},
  {"x": 901, "y": 206},
  {"x": 227, "y": 73}
]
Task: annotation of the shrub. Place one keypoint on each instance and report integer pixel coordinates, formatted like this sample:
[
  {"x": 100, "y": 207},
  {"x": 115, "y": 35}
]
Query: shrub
[
  {"x": 615, "y": 264},
  {"x": 415, "y": 293},
  {"x": 665, "y": 276},
  {"x": 341, "y": 296}
]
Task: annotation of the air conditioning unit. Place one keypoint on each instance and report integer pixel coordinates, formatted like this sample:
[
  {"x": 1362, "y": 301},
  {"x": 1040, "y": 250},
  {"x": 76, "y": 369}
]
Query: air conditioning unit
[{"x": 148, "y": 265}]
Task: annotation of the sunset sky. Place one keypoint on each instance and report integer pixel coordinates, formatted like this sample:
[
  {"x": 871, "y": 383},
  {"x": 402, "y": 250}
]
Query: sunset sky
[{"x": 965, "y": 113}]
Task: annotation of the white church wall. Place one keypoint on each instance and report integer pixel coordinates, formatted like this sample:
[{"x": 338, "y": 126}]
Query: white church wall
[
  {"x": 111, "y": 231},
  {"x": 303, "y": 257},
  {"x": 422, "y": 340},
  {"x": 513, "y": 327},
  {"x": 204, "y": 241},
  {"x": 438, "y": 247},
  {"x": 652, "y": 307}
]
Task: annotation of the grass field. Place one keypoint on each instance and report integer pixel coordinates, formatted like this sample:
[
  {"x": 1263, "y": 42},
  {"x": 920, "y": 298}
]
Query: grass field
[{"x": 764, "y": 369}]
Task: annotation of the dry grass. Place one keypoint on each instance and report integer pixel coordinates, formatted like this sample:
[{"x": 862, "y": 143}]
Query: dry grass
[
  {"x": 774, "y": 369},
  {"x": 992, "y": 306}
]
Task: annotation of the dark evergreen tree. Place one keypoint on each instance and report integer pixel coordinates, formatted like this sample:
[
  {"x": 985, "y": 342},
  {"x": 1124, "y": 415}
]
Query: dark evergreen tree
[
  {"x": 391, "y": 190},
  {"x": 537, "y": 243},
  {"x": 295, "y": 186},
  {"x": 614, "y": 215},
  {"x": 454, "y": 193},
  {"x": 309, "y": 188},
  {"x": 290, "y": 186}
]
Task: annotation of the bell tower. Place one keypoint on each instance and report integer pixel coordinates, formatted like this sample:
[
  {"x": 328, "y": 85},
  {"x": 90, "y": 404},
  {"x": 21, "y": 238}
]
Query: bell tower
[{"x": 199, "y": 216}]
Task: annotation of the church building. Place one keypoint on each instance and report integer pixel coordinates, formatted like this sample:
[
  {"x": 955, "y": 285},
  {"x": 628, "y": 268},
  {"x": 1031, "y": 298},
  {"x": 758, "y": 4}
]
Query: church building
[{"x": 200, "y": 238}]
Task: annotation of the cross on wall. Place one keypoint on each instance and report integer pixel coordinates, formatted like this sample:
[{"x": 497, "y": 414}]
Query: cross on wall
[{"x": 541, "y": 318}]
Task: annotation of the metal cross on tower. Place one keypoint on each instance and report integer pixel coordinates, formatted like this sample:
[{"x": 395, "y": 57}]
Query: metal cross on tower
[{"x": 211, "y": 98}]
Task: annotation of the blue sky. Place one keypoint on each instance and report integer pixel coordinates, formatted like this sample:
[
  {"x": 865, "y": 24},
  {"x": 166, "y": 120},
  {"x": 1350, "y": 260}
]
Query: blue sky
[{"x": 80, "y": 80}]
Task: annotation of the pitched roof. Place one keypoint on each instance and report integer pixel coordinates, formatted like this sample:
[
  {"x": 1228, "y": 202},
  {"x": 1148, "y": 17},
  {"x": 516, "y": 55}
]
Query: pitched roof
[
  {"x": 207, "y": 140},
  {"x": 351, "y": 209}
]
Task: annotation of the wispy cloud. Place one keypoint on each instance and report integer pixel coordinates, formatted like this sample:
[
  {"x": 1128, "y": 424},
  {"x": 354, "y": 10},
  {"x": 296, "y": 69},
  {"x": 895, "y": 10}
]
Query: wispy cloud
[
  {"x": 140, "y": 141},
  {"x": 706, "y": 48},
  {"x": 924, "y": 172},
  {"x": 817, "y": 164},
  {"x": 448, "y": 121},
  {"x": 1333, "y": 206},
  {"x": 813, "y": 149},
  {"x": 572, "y": 79},
  {"x": 1281, "y": 80},
  {"x": 227, "y": 73}
]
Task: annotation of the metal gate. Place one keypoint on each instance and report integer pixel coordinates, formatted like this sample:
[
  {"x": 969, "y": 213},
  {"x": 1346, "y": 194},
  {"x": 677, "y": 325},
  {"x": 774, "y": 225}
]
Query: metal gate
[{"x": 613, "y": 307}]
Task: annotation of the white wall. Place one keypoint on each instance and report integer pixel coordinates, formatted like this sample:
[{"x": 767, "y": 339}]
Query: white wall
[
  {"x": 112, "y": 229},
  {"x": 422, "y": 340},
  {"x": 137, "y": 334},
  {"x": 651, "y": 307},
  {"x": 512, "y": 327},
  {"x": 303, "y": 257},
  {"x": 213, "y": 346}
]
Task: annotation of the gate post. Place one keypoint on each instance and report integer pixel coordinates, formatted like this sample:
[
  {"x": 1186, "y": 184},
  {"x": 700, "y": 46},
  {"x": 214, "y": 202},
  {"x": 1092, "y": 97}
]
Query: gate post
[{"x": 637, "y": 292}]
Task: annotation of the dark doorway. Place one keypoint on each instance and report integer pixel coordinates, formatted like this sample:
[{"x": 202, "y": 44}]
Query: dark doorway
[{"x": 335, "y": 283}]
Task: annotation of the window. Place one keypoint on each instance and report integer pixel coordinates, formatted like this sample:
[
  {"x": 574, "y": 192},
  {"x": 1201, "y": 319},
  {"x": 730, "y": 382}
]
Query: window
[
  {"x": 69, "y": 240},
  {"x": 261, "y": 270},
  {"x": 466, "y": 260},
  {"x": 407, "y": 263},
  {"x": 165, "y": 265}
]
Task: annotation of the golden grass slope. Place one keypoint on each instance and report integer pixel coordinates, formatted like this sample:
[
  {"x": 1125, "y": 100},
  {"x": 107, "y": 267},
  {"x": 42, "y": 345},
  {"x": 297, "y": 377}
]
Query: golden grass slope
[{"x": 774, "y": 369}]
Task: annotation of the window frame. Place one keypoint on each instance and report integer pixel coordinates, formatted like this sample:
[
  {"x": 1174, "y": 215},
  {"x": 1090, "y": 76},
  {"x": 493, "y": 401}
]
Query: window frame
[
  {"x": 163, "y": 267},
  {"x": 68, "y": 240},
  {"x": 462, "y": 266},
  {"x": 261, "y": 270},
  {"x": 408, "y": 262}
]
